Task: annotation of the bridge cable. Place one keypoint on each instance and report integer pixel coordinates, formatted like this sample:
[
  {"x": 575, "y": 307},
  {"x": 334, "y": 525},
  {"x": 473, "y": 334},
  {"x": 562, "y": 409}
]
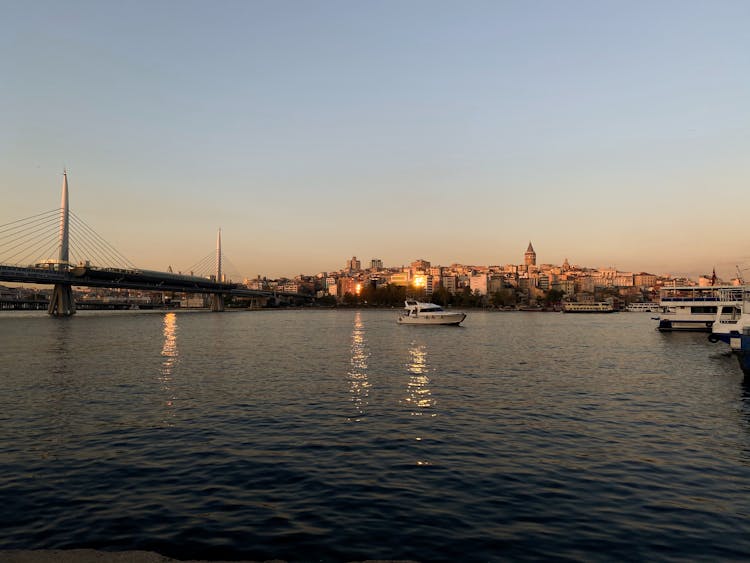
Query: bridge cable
[
  {"x": 47, "y": 252},
  {"x": 233, "y": 270},
  {"x": 87, "y": 250},
  {"x": 90, "y": 250},
  {"x": 105, "y": 243},
  {"x": 104, "y": 246},
  {"x": 22, "y": 233},
  {"x": 7, "y": 226},
  {"x": 29, "y": 245},
  {"x": 82, "y": 249},
  {"x": 204, "y": 266}
]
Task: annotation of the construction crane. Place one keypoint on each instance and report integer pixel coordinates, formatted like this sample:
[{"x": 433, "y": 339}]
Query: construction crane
[{"x": 739, "y": 274}]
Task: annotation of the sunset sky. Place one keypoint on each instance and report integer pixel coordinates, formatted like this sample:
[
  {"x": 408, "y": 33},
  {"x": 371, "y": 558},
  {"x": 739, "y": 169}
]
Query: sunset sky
[{"x": 610, "y": 133}]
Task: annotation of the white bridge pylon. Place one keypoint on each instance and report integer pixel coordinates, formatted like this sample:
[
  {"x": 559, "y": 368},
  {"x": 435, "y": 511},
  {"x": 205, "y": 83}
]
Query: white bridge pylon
[
  {"x": 217, "y": 299},
  {"x": 61, "y": 303}
]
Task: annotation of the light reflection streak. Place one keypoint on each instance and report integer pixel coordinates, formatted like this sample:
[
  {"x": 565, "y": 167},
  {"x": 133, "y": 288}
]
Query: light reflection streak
[
  {"x": 170, "y": 355},
  {"x": 419, "y": 395},
  {"x": 359, "y": 384}
]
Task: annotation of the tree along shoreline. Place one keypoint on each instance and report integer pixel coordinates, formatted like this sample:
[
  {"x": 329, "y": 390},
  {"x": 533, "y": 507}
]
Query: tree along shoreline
[{"x": 391, "y": 296}]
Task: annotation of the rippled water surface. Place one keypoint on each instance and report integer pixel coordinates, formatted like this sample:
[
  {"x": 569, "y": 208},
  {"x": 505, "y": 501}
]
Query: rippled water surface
[{"x": 339, "y": 435}]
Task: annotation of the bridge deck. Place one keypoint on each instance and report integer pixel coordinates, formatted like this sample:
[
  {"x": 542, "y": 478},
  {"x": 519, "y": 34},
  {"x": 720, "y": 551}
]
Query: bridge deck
[{"x": 130, "y": 279}]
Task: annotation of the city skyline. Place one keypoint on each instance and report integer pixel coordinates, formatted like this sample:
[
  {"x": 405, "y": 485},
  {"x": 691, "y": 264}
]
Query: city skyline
[{"x": 614, "y": 136}]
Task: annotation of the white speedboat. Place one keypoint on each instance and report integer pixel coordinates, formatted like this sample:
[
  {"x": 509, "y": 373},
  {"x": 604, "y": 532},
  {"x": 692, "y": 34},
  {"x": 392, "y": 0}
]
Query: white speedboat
[{"x": 418, "y": 313}]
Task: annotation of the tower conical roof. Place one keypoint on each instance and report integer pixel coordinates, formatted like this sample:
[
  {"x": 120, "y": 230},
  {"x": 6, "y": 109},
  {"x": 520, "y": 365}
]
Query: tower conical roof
[{"x": 530, "y": 248}]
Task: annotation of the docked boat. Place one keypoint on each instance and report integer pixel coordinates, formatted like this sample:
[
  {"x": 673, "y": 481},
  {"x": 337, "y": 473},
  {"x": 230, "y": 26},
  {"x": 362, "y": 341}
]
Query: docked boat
[
  {"x": 731, "y": 321},
  {"x": 418, "y": 313},
  {"x": 696, "y": 308},
  {"x": 595, "y": 307},
  {"x": 640, "y": 307}
]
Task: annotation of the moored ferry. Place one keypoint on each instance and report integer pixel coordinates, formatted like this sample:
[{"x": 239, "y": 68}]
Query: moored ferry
[
  {"x": 731, "y": 321},
  {"x": 642, "y": 307},
  {"x": 696, "y": 308},
  {"x": 596, "y": 307}
]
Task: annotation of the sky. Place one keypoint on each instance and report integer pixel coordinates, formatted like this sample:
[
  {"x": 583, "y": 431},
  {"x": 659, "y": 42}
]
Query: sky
[{"x": 614, "y": 134}]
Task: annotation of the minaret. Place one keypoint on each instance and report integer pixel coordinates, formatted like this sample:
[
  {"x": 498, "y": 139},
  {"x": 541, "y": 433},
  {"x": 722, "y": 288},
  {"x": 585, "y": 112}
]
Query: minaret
[
  {"x": 61, "y": 303},
  {"x": 529, "y": 257}
]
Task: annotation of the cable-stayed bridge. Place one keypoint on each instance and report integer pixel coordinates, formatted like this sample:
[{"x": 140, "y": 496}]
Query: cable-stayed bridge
[{"x": 87, "y": 260}]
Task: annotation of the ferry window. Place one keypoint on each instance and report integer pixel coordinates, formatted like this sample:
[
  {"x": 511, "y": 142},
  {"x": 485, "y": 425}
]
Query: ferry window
[{"x": 704, "y": 310}]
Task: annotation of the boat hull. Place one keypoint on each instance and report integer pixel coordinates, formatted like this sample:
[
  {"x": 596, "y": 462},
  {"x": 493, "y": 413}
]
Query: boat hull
[
  {"x": 677, "y": 325},
  {"x": 433, "y": 319}
]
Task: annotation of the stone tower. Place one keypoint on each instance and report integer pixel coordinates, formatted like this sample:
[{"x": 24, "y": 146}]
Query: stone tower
[{"x": 529, "y": 257}]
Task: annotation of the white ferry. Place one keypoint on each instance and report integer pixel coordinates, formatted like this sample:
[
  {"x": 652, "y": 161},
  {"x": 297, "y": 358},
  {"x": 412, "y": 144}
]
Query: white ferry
[
  {"x": 642, "y": 307},
  {"x": 597, "y": 307},
  {"x": 417, "y": 313},
  {"x": 696, "y": 308},
  {"x": 730, "y": 322}
]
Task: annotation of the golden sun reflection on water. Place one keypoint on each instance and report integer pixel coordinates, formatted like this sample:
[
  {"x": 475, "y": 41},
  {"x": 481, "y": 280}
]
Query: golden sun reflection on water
[
  {"x": 359, "y": 384},
  {"x": 419, "y": 395},
  {"x": 170, "y": 355},
  {"x": 169, "y": 349}
]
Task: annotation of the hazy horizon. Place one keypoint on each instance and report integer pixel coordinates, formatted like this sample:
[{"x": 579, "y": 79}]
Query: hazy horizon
[{"x": 613, "y": 135}]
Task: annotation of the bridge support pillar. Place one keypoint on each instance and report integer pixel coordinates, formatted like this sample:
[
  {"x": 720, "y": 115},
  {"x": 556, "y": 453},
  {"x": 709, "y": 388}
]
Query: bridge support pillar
[
  {"x": 217, "y": 302},
  {"x": 61, "y": 303}
]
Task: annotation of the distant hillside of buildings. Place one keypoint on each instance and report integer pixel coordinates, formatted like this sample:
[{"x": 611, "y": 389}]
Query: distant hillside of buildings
[{"x": 509, "y": 285}]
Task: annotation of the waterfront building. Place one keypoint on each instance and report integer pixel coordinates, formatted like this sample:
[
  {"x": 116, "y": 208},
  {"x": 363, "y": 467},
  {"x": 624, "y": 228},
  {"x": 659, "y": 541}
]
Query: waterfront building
[
  {"x": 495, "y": 283},
  {"x": 8, "y": 292},
  {"x": 377, "y": 280},
  {"x": 400, "y": 278},
  {"x": 290, "y": 286},
  {"x": 478, "y": 284},
  {"x": 623, "y": 279},
  {"x": 333, "y": 289},
  {"x": 349, "y": 285},
  {"x": 434, "y": 282},
  {"x": 193, "y": 301},
  {"x": 585, "y": 284},
  {"x": 644, "y": 280},
  {"x": 449, "y": 283},
  {"x": 257, "y": 283},
  {"x": 429, "y": 283},
  {"x": 420, "y": 266},
  {"x": 353, "y": 265},
  {"x": 567, "y": 286}
]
